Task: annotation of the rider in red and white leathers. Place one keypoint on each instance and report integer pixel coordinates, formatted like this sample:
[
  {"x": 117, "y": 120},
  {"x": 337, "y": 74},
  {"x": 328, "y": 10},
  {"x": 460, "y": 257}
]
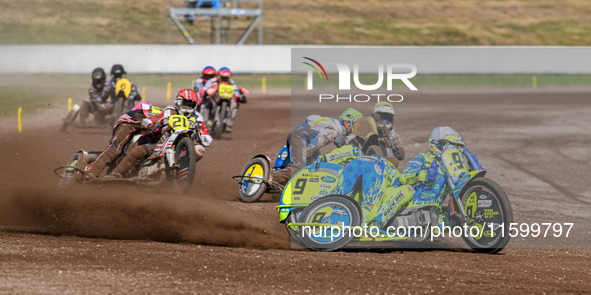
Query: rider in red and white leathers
[
  {"x": 207, "y": 74},
  {"x": 185, "y": 104},
  {"x": 206, "y": 93},
  {"x": 127, "y": 125}
]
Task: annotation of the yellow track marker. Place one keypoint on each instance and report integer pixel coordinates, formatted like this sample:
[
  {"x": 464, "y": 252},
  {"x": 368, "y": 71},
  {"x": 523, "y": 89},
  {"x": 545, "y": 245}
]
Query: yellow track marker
[{"x": 20, "y": 121}]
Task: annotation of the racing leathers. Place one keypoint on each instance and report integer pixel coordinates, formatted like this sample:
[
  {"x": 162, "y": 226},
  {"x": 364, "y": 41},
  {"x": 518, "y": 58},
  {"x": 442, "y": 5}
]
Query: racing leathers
[
  {"x": 96, "y": 103},
  {"x": 305, "y": 142},
  {"x": 425, "y": 175},
  {"x": 208, "y": 90},
  {"x": 198, "y": 84},
  {"x": 391, "y": 134},
  {"x": 372, "y": 181},
  {"x": 127, "y": 124},
  {"x": 110, "y": 89},
  {"x": 158, "y": 125}
]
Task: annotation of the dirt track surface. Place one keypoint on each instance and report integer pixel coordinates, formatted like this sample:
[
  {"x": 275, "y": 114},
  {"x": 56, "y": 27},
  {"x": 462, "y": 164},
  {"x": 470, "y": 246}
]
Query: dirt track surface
[{"x": 104, "y": 239}]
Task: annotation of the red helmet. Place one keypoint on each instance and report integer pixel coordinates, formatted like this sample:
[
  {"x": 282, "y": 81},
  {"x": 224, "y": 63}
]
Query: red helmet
[
  {"x": 208, "y": 72},
  {"x": 224, "y": 75},
  {"x": 186, "y": 101}
]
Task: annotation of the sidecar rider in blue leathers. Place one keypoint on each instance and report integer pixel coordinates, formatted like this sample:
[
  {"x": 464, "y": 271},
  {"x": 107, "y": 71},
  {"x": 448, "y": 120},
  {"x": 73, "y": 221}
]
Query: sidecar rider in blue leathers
[
  {"x": 425, "y": 174},
  {"x": 372, "y": 181},
  {"x": 306, "y": 140}
]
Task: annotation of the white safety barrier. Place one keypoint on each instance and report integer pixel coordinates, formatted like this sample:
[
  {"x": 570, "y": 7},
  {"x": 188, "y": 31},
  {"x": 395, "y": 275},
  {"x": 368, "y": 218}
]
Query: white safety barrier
[{"x": 189, "y": 59}]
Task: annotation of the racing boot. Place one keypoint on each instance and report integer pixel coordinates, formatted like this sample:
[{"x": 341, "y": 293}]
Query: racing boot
[{"x": 135, "y": 153}]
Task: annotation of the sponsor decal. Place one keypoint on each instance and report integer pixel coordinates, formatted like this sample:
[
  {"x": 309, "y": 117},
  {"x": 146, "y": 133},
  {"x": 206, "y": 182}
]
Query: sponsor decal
[
  {"x": 378, "y": 169},
  {"x": 323, "y": 192},
  {"x": 366, "y": 158},
  {"x": 339, "y": 155},
  {"x": 328, "y": 179},
  {"x": 316, "y": 197},
  {"x": 398, "y": 197},
  {"x": 284, "y": 155},
  {"x": 296, "y": 198},
  {"x": 313, "y": 179},
  {"x": 484, "y": 203},
  {"x": 325, "y": 186},
  {"x": 490, "y": 213},
  {"x": 339, "y": 212},
  {"x": 483, "y": 197}
]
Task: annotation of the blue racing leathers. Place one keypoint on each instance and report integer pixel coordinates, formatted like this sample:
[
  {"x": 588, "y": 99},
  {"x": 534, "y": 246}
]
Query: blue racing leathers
[
  {"x": 372, "y": 181},
  {"x": 425, "y": 175}
]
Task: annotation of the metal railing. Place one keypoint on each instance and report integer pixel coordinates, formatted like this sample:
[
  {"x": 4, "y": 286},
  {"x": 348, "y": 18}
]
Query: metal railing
[{"x": 219, "y": 13}]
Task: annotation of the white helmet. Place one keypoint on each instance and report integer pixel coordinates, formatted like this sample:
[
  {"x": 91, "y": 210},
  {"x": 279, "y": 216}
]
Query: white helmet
[
  {"x": 439, "y": 133},
  {"x": 384, "y": 112}
]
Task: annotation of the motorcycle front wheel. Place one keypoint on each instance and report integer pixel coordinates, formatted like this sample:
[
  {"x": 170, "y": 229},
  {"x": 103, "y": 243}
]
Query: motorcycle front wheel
[
  {"x": 185, "y": 158},
  {"x": 219, "y": 115},
  {"x": 489, "y": 216}
]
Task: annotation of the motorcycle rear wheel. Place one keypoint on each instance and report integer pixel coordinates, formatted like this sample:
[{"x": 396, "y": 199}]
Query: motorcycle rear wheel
[
  {"x": 250, "y": 190},
  {"x": 492, "y": 208}
]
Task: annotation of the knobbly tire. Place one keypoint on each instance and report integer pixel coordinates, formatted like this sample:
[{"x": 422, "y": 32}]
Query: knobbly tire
[
  {"x": 249, "y": 189},
  {"x": 329, "y": 210},
  {"x": 489, "y": 196},
  {"x": 67, "y": 180},
  {"x": 218, "y": 120},
  {"x": 185, "y": 158},
  {"x": 292, "y": 218},
  {"x": 374, "y": 150}
]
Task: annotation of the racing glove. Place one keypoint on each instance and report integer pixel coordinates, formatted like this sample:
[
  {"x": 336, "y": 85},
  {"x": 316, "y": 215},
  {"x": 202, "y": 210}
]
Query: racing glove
[
  {"x": 147, "y": 124},
  {"x": 321, "y": 158},
  {"x": 422, "y": 176},
  {"x": 206, "y": 139}
]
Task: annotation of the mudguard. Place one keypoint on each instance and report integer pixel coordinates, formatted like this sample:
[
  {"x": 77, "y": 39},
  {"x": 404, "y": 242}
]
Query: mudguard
[
  {"x": 308, "y": 185},
  {"x": 462, "y": 184},
  {"x": 264, "y": 157}
]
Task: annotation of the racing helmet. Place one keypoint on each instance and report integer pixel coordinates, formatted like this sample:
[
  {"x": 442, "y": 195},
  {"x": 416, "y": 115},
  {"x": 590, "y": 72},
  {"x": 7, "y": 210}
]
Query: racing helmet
[
  {"x": 208, "y": 72},
  {"x": 98, "y": 78},
  {"x": 441, "y": 136},
  {"x": 383, "y": 112},
  {"x": 185, "y": 101},
  {"x": 348, "y": 117},
  {"x": 224, "y": 75},
  {"x": 117, "y": 71}
]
